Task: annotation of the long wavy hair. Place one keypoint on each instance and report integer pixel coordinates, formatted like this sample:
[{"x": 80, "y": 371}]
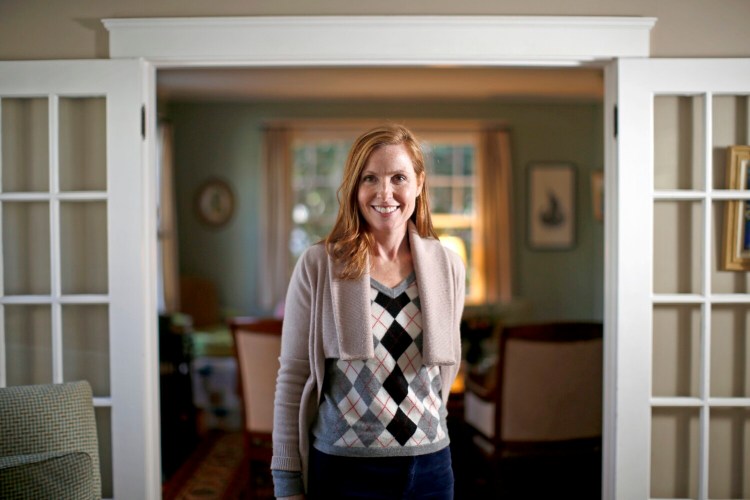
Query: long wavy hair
[{"x": 350, "y": 242}]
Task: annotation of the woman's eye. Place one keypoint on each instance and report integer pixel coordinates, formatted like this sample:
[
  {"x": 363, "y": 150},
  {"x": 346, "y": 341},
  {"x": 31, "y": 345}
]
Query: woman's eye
[
  {"x": 368, "y": 178},
  {"x": 399, "y": 178}
]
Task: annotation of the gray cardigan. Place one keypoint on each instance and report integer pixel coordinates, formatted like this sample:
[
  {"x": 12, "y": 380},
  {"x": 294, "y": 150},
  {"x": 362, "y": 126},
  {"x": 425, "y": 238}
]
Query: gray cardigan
[{"x": 325, "y": 317}]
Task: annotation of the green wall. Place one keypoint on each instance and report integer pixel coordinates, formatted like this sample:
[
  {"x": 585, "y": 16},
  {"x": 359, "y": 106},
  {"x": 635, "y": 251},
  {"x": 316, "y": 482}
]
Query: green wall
[{"x": 223, "y": 139}]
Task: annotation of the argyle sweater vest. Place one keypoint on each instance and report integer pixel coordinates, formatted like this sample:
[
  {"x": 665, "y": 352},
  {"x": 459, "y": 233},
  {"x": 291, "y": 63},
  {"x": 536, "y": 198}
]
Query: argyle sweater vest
[{"x": 389, "y": 405}]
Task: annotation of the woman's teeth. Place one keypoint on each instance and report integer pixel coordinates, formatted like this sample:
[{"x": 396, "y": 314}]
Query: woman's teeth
[{"x": 385, "y": 210}]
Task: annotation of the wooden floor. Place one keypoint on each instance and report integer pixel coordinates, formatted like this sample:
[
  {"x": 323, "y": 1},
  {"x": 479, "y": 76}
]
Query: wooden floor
[{"x": 524, "y": 478}]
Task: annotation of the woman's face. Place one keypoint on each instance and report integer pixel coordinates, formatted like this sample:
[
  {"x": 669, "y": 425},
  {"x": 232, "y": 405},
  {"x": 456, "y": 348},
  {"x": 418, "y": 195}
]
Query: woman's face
[{"x": 388, "y": 190}]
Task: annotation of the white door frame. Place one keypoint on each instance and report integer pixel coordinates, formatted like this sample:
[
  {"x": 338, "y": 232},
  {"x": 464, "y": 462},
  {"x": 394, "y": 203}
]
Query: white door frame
[
  {"x": 421, "y": 41},
  {"x": 130, "y": 233}
]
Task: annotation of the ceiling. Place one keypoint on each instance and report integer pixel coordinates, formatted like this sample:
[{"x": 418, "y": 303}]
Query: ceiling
[{"x": 369, "y": 83}]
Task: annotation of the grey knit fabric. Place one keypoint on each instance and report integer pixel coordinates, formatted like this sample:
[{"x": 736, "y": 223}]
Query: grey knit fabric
[{"x": 44, "y": 429}]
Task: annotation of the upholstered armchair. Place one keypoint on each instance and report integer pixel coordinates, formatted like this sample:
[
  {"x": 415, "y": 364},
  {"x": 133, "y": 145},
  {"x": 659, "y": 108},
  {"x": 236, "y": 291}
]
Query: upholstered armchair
[{"x": 48, "y": 442}]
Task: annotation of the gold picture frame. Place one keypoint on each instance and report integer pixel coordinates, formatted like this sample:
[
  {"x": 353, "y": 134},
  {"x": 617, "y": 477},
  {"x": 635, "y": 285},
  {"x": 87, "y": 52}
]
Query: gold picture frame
[{"x": 736, "y": 252}]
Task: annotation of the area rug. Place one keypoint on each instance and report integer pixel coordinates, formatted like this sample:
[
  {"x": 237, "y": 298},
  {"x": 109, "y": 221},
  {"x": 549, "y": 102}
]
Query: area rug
[{"x": 213, "y": 472}]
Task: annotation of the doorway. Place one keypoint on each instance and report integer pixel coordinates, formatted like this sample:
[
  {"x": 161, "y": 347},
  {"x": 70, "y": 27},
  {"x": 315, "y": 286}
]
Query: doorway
[{"x": 553, "y": 115}]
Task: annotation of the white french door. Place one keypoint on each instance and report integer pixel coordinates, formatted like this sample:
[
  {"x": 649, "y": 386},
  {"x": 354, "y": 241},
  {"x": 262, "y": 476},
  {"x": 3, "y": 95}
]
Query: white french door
[
  {"x": 76, "y": 291},
  {"x": 679, "y": 398}
]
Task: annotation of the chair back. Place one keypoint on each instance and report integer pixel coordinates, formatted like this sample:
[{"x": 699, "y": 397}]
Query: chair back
[
  {"x": 257, "y": 344},
  {"x": 548, "y": 388},
  {"x": 550, "y": 382},
  {"x": 52, "y": 420}
]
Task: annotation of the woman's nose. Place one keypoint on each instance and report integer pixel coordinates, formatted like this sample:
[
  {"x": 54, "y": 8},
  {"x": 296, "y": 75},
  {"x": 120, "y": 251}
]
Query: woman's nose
[{"x": 384, "y": 189}]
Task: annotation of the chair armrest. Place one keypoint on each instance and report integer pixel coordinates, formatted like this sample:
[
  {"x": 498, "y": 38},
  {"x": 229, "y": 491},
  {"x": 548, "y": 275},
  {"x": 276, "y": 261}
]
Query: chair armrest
[
  {"x": 60, "y": 475},
  {"x": 484, "y": 392}
]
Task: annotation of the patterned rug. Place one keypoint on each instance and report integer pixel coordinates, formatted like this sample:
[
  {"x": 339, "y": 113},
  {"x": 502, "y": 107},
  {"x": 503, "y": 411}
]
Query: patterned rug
[{"x": 213, "y": 472}]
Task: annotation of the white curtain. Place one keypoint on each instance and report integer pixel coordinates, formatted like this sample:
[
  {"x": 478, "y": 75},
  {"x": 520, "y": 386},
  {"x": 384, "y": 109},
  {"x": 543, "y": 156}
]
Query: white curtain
[
  {"x": 168, "y": 265},
  {"x": 495, "y": 202},
  {"x": 276, "y": 220}
]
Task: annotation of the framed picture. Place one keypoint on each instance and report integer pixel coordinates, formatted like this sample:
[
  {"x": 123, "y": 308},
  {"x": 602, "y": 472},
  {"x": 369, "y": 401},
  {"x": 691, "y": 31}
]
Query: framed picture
[
  {"x": 551, "y": 218},
  {"x": 214, "y": 202},
  {"x": 737, "y": 213},
  {"x": 597, "y": 194}
]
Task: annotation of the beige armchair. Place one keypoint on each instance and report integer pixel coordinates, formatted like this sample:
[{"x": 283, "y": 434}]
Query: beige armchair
[
  {"x": 48, "y": 443},
  {"x": 538, "y": 412}
]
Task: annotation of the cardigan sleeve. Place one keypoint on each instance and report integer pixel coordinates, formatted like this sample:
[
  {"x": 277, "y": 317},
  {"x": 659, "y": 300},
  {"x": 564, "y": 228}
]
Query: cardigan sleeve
[{"x": 294, "y": 369}]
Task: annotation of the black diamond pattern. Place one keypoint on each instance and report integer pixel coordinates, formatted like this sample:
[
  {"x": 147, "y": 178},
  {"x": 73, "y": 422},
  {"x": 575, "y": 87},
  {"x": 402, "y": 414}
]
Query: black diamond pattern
[
  {"x": 396, "y": 385},
  {"x": 393, "y": 306},
  {"x": 396, "y": 340},
  {"x": 401, "y": 427}
]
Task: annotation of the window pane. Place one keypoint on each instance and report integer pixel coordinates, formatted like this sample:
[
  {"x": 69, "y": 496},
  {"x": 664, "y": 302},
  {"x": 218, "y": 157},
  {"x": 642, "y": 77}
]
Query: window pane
[
  {"x": 677, "y": 247},
  {"x": 730, "y": 351},
  {"x": 440, "y": 159},
  {"x": 729, "y": 452},
  {"x": 676, "y": 358},
  {"x": 674, "y": 453},
  {"x": 466, "y": 206},
  {"x": 104, "y": 433},
  {"x": 83, "y": 246},
  {"x": 26, "y": 248},
  {"x": 83, "y": 144},
  {"x": 441, "y": 199},
  {"x": 468, "y": 156},
  {"x": 730, "y": 126},
  {"x": 25, "y": 144},
  {"x": 86, "y": 346},
  {"x": 28, "y": 345},
  {"x": 678, "y": 142}
]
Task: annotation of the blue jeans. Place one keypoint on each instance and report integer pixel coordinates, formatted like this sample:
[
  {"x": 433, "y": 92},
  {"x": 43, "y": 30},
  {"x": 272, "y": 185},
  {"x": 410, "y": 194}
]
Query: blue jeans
[{"x": 388, "y": 478}]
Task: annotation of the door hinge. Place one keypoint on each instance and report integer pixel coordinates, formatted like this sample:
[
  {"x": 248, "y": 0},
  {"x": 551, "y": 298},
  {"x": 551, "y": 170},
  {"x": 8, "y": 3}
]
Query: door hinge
[
  {"x": 143, "y": 121},
  {"x": 615, "y": 123}
]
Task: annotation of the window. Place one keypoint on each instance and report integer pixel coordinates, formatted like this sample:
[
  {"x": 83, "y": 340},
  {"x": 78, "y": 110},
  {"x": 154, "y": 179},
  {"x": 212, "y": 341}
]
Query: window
[
  {"x": 450, "y": 161},
  {"x": 317, "y": 165}
]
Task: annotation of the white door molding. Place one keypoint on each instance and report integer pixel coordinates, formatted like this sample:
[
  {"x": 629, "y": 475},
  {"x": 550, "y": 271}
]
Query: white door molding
[
  {"x": 380, "y": 40},
  {"x": 318, "y": 41}
]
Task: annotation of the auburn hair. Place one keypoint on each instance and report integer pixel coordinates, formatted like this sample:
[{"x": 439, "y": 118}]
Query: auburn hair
[{"x": 350, "y": 242}]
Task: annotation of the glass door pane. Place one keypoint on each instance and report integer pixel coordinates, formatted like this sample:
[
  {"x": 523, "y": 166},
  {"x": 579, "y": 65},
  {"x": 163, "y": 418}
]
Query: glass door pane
[
  {"x": 28, "y": 344},
  {"x": 83, "y": 247},
  {"x": 25, "y": 144},
  {"x": 26, "y": 248},
  {"x": 83, "y": 152}
]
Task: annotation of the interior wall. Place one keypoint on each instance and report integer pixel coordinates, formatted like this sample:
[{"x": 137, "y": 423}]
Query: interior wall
[
  {"x": 224, "y": 139},
  {"x": 40, "y": 29}
]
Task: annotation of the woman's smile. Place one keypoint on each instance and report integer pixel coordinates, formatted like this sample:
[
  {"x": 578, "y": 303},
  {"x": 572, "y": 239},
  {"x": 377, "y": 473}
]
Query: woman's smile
[{"x": 385, "y": 210}]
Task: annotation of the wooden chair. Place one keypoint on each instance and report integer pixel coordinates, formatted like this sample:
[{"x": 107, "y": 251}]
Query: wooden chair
[
  {"x": 537, "y": 420},
  {"x": 257, "y": 343}
]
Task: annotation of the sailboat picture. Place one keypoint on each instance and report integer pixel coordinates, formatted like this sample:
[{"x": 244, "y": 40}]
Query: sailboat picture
[{"x": 551, "y": 206}]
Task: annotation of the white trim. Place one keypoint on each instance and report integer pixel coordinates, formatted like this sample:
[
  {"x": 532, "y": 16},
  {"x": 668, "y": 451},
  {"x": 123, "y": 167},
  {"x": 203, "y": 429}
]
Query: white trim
[
  {"x": 609, "y": 410},
  {"x": 639, "y": 82},
  {"x": 419, "y": 41},
  {"x": 687, "y": 402},
  {"x": 378, "y": 40}
]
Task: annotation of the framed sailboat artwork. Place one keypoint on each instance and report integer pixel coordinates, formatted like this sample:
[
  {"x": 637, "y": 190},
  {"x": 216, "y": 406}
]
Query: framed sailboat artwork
[{"x": 551, "y": 199}]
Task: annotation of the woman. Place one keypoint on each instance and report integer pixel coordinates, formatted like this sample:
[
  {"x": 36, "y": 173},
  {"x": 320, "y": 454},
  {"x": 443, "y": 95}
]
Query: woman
[{"x": 370, "y": 343}]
